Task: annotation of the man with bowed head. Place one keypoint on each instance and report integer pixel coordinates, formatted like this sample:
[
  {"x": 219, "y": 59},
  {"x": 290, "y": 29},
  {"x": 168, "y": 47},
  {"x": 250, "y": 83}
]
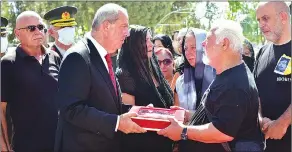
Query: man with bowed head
[
  {"x": 227, "y": 118},
  {"x": 89, "y": 96}
]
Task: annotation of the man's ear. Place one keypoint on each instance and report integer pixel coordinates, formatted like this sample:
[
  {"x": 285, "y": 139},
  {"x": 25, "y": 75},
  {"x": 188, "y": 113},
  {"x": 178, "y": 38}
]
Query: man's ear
[
  {"x": 53, "y": 33},
  {"x": 16, "y": 32},
  {"x": 284, "y": 17},
  {"x": 225, "y": 43},
  {"x": 106, "y": 25}
]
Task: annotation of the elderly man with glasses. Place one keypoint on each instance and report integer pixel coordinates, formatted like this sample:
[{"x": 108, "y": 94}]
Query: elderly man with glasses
[{"x": 29, "y": 77}]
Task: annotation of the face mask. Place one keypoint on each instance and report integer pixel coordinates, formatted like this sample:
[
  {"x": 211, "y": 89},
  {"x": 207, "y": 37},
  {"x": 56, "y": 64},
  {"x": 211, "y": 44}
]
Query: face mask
[
  {"x": 66, "y": 35},
  {"x": 4, "y": 44}
]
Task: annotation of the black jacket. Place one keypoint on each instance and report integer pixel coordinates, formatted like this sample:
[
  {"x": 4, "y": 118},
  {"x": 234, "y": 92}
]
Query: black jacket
[{"x": 88, "y": 105}]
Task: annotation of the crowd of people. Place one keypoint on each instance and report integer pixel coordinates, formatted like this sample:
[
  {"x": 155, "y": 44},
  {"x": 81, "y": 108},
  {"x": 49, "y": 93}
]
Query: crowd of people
[{"x": 76, "y": 96}]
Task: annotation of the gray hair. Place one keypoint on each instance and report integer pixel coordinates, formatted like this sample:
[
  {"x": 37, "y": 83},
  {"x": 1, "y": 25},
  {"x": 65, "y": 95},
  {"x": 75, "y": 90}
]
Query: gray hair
[
  {"x": 108, "y": 12},
  {"x": 232, "y": 31}
]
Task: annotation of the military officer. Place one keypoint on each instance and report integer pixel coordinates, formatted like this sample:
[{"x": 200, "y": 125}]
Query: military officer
[
  {"x": 62, "y": 27},
  {"x": 4, "y": 40}
]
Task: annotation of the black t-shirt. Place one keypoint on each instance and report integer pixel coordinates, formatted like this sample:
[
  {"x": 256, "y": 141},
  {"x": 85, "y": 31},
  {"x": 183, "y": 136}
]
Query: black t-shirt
[
  {"x": 232, "y": 100},
  {"x": 273, "y": 80},
  {"x": 29, "y": 88}
]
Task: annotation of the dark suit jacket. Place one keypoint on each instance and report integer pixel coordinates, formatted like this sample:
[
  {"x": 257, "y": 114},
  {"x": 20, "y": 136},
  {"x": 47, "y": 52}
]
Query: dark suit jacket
[{"x": 88, "y": 104}]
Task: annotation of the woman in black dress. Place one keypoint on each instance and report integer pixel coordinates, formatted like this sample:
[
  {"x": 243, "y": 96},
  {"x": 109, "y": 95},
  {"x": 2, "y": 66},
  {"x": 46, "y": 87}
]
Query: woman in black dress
[{"x": 142, "y": 83}]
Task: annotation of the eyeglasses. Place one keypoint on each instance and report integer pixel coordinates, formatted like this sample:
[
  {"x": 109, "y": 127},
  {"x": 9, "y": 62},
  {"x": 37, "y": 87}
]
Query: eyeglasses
[
  {"x": 32, "y": 28},
  {"x": 166, "y": 62}
]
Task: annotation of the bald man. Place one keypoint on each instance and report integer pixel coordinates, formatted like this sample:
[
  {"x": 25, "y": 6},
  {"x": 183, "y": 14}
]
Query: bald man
[
  {"x": 29, "y": 77},
  {"x": 273, "y": 78}
]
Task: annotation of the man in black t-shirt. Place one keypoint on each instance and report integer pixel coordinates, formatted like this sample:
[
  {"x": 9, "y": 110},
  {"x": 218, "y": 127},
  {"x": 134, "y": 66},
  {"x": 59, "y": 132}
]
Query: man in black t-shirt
[
  {"x": 29, "y": 77},
  {"x": 273, "y": 74},
  {"x": 229, "y": 109}
]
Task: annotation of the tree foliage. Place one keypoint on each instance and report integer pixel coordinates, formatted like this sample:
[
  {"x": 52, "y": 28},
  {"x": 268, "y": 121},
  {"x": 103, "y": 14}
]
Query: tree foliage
[
  {"x": 244, "y": 12},
  {"x": 161, "y": 17},
  {"x": 140, "y": 12}
]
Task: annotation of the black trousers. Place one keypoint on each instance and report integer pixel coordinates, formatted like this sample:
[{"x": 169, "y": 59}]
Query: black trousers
[{"x": 278, "y": 146}]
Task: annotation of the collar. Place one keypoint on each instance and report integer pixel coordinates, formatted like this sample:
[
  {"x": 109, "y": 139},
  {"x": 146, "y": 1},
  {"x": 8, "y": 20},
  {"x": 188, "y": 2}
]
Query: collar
[
  {"x": 23, "y": 54},
  {"x": 62, "y": 51},
  {"x": 99, "y": 48}
]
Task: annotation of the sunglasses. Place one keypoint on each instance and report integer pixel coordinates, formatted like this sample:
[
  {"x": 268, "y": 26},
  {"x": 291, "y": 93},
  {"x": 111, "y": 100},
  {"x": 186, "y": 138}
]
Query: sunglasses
[
  {"x": 3, "y": 34},
  {"x": 166, "y": 62},
  {"x": 32, "y": 28}
]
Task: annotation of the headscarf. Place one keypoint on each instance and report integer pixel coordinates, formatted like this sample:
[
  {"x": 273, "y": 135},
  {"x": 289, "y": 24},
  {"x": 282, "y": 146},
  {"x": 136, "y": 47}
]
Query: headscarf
[
  {"x": 249, "y": 61},
  {"x": 186, "y": 83}
]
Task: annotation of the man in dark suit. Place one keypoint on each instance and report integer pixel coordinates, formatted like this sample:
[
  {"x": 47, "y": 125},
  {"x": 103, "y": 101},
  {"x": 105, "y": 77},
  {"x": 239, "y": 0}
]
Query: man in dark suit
[
  {"x": 89, "y": 99},
  {"x": 62, "y": 28}
]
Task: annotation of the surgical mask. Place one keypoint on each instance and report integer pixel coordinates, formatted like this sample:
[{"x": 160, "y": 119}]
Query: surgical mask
[
  {"x": 4, "y": 44},
  {"x": 66, "y": 35}
]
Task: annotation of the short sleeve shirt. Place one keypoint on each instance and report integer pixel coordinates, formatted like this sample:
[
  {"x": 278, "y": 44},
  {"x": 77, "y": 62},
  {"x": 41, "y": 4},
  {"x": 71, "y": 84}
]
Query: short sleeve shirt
[
  {"x": 232, "y": 100},
  {"x": 30, "y": 87},
  {"x": 273, "y": 78}
]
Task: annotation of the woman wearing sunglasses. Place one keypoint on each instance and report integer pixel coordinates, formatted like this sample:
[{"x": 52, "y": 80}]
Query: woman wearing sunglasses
[
  {"x": 166, "y": 63},
  {"x": 142, "y": 83},
  {"x": 197, "y": 76}
]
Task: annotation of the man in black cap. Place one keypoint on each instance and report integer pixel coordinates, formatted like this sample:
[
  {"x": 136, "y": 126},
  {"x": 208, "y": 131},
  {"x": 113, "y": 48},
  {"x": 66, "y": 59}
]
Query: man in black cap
[
  {"x": 4, "y": 40},
  {"x": 62, "y": 28}
]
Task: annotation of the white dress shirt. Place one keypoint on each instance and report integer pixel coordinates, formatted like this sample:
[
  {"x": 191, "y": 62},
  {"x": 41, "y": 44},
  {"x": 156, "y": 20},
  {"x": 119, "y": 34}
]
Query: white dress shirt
[{"x": 102, "y": 52}]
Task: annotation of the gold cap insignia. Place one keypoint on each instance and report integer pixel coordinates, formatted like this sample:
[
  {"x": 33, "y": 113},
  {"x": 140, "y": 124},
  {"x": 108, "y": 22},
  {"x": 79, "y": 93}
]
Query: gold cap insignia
[{"x": 65, "y": 15}]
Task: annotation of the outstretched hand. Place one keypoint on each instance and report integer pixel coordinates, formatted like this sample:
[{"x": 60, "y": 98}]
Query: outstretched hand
[{"x": 126, "y": 124}]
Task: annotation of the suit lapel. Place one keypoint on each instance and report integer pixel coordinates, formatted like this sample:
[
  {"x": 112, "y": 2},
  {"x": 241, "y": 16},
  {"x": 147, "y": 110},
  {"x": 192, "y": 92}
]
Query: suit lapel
[
  {"x": 100, "y": 66},
  {"x": 56, "y": 50}
]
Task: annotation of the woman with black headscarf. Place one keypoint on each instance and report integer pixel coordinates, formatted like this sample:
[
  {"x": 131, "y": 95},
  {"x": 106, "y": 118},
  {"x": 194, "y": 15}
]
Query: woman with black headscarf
[
  {"x": 142, "y": 83},
  {"x": 248, "y": 54}
]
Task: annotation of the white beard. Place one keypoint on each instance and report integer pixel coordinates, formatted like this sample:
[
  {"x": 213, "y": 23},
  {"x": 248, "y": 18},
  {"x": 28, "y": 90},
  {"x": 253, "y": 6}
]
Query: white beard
[{"x": 206, "y": 60}]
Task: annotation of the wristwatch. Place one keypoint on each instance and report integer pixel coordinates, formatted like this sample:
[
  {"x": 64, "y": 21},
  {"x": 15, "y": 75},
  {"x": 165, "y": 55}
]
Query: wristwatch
[{"x": 184, "y": 135}]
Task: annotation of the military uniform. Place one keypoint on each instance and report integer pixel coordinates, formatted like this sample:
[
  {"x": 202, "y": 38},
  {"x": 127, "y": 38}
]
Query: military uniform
[
  {"x": 61, "y": 17},
  {"x": 58, "y": 50},
  {"x": 4, "y": 23}
]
